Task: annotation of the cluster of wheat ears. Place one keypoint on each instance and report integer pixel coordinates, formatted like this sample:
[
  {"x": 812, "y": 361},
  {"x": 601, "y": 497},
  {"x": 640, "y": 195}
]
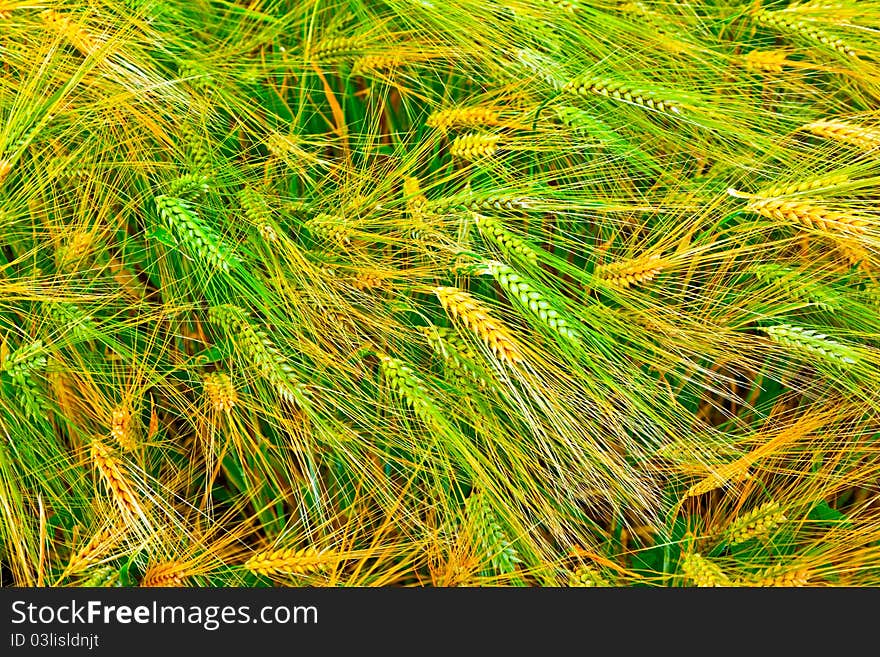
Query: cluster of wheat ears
[{"x": 439, "y": 293}]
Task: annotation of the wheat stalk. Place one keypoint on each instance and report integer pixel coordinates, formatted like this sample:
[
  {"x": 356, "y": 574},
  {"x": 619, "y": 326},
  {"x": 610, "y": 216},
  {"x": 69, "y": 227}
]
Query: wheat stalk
[
  {"x": 462, "y": 306},
  {"x": 289, "y": 561}
]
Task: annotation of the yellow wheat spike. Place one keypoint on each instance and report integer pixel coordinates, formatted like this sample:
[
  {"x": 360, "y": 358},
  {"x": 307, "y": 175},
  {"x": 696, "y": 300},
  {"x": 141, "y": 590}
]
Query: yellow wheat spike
[
  {"x": 121, "y": 429},
  {"x": 462, "y": 306},
  {"x": 779, "y": 575},
  {"x": 220, "y": 391},
  {"x": 376, "y": 64},
  {"x": 809, "y": 215},
  {"x": 702, "y": 572},
  {"x": 5, "y": 169},
  {"x": 587, "y": 576},
  {"x": 865, "y": 138},
  {"x": 756, "y": 523},
  {"x": 113, "y": 474},
  {"x": 729, "y": 473},
  {"x": 799, "y": 187},
  {"x": 289, "y": 561},
  {"x": 368, "y": 280},
  {"x": 474, "y": 146},
  {"x": 167, "y": 574},
  {"x": 91, "y": 551},
  {"x": 463, "y": 117},
  {"x": 766, "y": 61},
  {"x": 631, "y": 272}
]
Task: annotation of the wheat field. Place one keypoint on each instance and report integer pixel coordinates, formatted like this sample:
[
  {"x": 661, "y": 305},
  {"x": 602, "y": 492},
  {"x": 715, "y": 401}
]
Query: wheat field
[{"x": 439, "y": 293}]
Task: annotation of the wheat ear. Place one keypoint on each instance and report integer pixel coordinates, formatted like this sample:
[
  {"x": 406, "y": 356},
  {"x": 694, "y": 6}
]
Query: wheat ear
[
  {"x": 289, "y": 561},
  {"x": 703, "y": 572},
  {"x": 167, "y": 574},
  {"x": 115, "y": 479},
  {"x": 460, "y": 305},
  {"x": 474, "y": 146},
  {"x": 190, "y": 230},
  {"x": 812, "y": 342},
  {"x": 623, "y": 91},
  {"x": 865, "y": 138},
  {"x": 787, "y": 23},
  {"x": 511, "y": 245},
  {"x": 780, "y": 576},
  {"x": 807, "y": 214},
  {"x": 260, "y": 350},
  {"x": 121, "y": 428},
  {"x": 631, "y": 272},
  {"x": 220, "y": 391},
  {"x": 463, "y": 117},
  {"x": 766, "y": 61},
  {"x": 587, "y": 577},
  {"x": 526, "y": 294},
  {"x": 755, "y": 523}
]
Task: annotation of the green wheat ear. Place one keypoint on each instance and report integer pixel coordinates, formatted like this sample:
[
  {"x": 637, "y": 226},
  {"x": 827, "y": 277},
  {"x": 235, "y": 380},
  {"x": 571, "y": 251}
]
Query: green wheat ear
[
  {"x": 492, "y": 541},
  {"x": 259, "y": 350},
  {"x": 531, "y": 299},
  {"x": 812, "y": 342},
  {"x": 73, "y": 319},
  {"x": 402, "y": 379},
  {"x": 190, "y": 231},
  {"x": 510, "y": 244},
  {"x": 21, "y": 365}
]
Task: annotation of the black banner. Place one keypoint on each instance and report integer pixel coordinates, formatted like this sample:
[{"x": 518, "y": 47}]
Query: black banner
[{"x": 229, "y": 621}]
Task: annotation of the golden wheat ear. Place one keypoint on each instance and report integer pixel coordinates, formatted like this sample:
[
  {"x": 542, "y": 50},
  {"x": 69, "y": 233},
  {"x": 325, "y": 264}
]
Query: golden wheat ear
[
  {"x": 462, "y": 306},
  {"x": 290, "y": 561}
]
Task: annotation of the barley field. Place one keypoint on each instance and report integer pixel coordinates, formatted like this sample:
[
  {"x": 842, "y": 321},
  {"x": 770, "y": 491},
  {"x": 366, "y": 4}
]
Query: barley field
[{"x": 439, "y": 293}]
